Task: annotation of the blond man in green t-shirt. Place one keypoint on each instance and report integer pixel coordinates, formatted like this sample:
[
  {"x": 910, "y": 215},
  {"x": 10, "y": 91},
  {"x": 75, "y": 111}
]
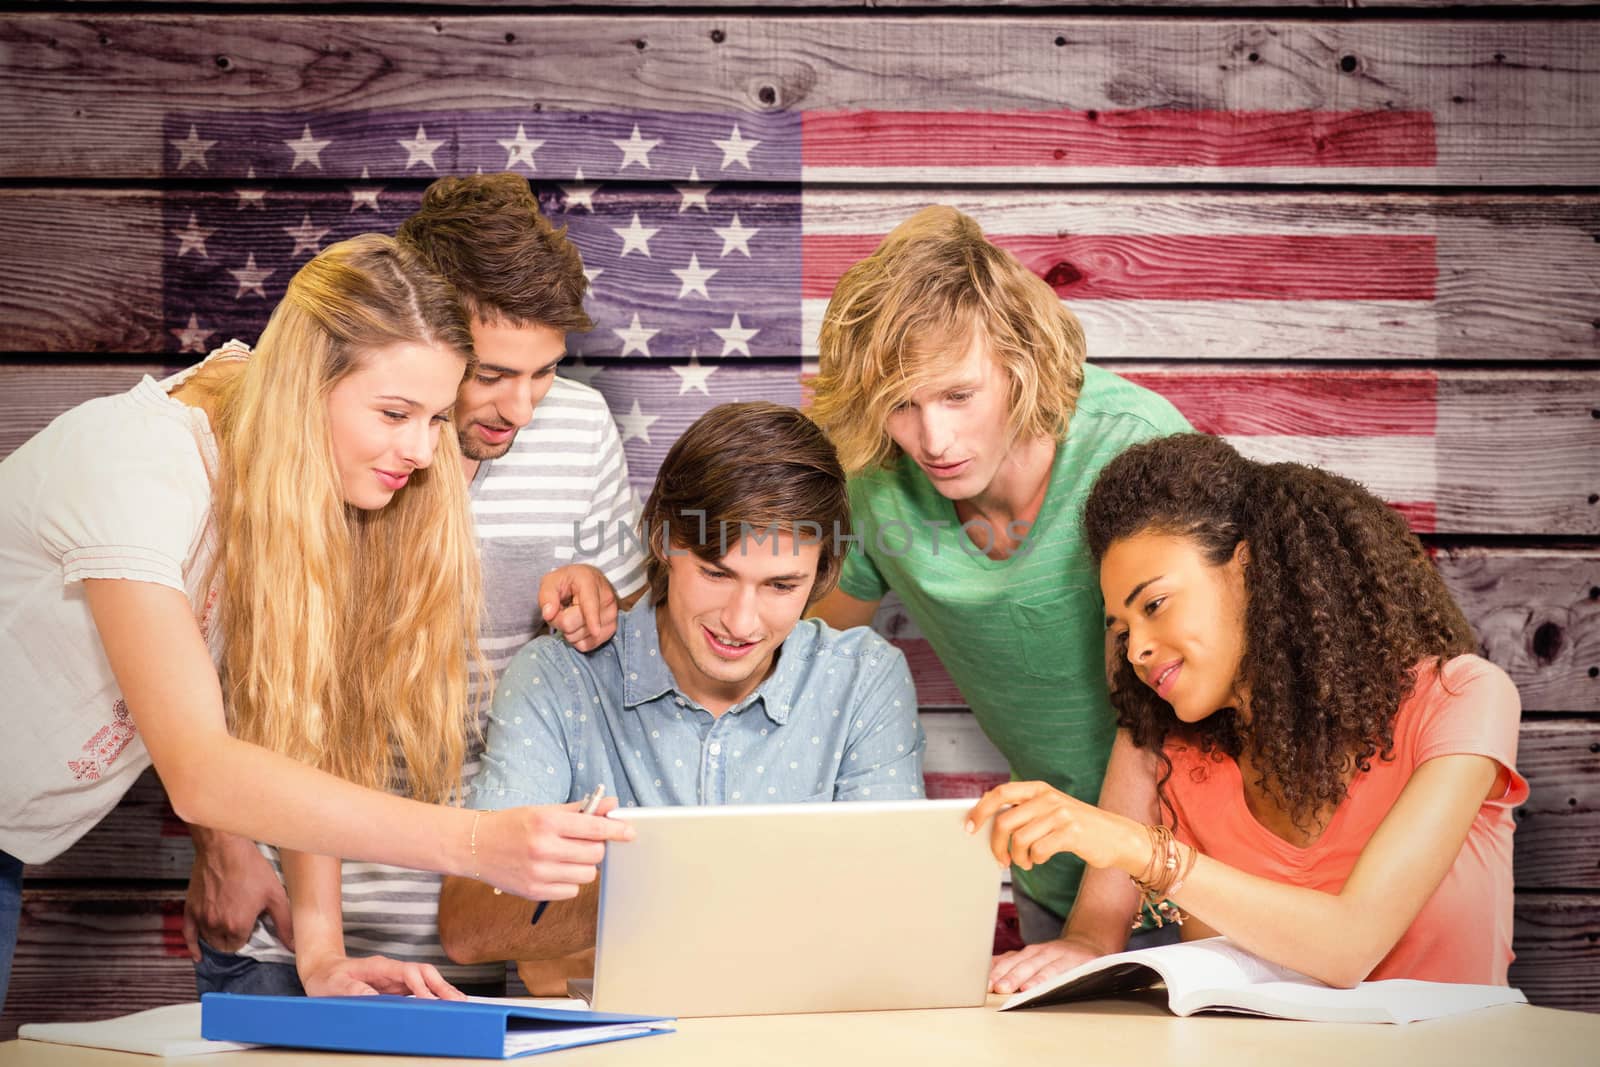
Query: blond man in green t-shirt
[{"x": 954, "y": 386}]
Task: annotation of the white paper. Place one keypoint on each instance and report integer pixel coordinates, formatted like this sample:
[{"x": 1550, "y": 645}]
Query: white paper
[{"x": 170, "y": 1031}]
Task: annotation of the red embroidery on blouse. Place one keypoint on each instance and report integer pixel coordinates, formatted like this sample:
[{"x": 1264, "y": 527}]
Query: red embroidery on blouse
[{"x": 105, "y": 746}]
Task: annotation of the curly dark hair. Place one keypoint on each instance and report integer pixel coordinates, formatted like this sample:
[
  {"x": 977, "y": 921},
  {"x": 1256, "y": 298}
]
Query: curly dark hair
[{"x": 1342, "y": 603}]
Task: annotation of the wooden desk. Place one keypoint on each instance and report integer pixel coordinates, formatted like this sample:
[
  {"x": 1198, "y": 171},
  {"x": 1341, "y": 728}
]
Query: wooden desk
[{"x": 1129, "y": 1031}]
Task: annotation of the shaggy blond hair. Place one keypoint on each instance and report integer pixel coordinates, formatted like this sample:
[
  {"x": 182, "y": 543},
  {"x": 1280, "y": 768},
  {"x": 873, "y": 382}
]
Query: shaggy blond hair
[
  {"x": 347, "y": 633},
  {"x": 907, "y": 314}
]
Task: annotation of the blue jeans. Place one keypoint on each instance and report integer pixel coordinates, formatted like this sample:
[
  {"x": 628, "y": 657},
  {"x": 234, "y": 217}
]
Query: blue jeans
[
  {"x": 10, "y": 914},
  {"x": 224, "y": 972}
]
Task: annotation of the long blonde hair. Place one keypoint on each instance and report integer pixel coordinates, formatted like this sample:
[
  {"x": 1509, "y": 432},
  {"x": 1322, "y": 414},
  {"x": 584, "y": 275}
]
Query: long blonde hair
[
  {"x": 907, "y": 313},
  {"x": 347, "y": 633}
]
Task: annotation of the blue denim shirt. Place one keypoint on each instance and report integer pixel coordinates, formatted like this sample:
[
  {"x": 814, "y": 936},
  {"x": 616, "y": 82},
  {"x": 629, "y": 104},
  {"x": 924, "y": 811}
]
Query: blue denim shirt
[{"x": 835, "y": 720}]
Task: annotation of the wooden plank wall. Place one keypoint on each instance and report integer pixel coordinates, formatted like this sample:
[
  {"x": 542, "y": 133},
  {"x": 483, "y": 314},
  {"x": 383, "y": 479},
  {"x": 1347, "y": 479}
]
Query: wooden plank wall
[{"x": 1363, "y": 238}]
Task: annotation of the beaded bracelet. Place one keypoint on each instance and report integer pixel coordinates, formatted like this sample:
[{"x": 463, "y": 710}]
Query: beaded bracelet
[{"x": 1162, "y": 876}]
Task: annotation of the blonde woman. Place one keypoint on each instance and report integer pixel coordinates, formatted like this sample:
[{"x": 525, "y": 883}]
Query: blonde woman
[{"x": 272, "y": 536}]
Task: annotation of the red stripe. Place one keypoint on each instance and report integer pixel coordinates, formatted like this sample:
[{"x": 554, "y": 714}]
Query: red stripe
[
  {"x": 1421, "y": 515},
  {"x": 172, "y": 943},
  {"x": 934, "y": 686},
  {"x": 1194, "y": 267},
  {"x": 959, "y": 786},
  {"x": 1153, "y": 137},
  {"x": 1302, "y": 403}
]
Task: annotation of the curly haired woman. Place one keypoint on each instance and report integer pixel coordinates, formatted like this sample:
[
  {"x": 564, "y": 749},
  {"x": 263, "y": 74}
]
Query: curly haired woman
[{"x": 1324, "y": 768}]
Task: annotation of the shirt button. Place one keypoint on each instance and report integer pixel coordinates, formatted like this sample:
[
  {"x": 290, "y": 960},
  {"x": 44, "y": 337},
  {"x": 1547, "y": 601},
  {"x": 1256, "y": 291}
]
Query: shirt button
[{"x": 716, "y": 748}]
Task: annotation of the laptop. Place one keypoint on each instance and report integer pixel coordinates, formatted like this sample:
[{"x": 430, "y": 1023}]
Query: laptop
[{"x": 781, "y": 908}]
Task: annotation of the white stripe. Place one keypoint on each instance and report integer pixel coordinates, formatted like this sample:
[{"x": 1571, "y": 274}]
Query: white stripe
[
  {"x": 1235, "y": 329},
  {"x": 1400, "y": 469},
  {"x": 552, "y": 530},
  {"x": 956, "y": 745},
  {"x": 581, "y": 452},
  {"x": 573, "y": 436},
  {"x": 552, "y": 509},
  {"x": 543, "y": 482},
  {"x": 1043, "y": 212},
  {"x": 1068, "y": 175}
]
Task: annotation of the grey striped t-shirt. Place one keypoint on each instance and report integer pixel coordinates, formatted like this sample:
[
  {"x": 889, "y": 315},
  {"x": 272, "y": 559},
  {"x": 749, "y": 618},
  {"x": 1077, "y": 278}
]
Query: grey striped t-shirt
[{"x": 540, "y": 506}]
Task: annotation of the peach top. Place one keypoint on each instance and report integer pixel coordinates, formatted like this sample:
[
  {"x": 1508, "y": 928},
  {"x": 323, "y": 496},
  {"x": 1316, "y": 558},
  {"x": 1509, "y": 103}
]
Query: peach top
[{"x": 1463, "y": 932}]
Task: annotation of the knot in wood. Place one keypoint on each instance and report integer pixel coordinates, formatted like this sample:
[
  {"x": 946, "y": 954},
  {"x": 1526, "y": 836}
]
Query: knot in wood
[{"x": 1063, "y": 275}]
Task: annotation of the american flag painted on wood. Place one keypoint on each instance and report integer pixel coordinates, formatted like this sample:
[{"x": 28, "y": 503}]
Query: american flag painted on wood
[{"x": 711, "y": 254}]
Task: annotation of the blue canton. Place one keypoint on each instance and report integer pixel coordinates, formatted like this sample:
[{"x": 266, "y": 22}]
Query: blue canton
[{"x": 835, "y": 720}]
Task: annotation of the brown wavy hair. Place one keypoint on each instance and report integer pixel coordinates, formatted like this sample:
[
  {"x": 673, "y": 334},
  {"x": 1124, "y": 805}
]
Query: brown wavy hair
[
  {"x": 1341, "y": 605},
  {"x": 754, "y": 466},
  {"x": 485, "y": 235}
]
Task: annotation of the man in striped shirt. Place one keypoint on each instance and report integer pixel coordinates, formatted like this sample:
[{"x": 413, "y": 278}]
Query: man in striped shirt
[{"x": 544, "y": 463}]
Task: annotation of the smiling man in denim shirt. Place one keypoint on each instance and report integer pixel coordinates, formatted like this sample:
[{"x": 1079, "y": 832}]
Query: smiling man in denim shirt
[{"x": 713, "y": 690}]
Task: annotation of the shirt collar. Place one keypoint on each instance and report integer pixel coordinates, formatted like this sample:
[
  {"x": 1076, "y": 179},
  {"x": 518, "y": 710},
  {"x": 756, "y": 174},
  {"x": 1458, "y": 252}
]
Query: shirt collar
[{"x": 646, "y": 677}]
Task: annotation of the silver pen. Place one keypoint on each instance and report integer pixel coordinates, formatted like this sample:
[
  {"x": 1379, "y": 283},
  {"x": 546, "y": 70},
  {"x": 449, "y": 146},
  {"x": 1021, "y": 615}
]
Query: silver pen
[{"x": 591, "y": 804}]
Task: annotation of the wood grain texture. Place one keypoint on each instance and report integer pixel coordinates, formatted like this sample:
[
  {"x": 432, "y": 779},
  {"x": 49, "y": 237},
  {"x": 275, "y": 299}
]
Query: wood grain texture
[
  {"x": 96, "y": 954},
  {"x": 1535, "y": 610},
  {"x": 1557, "y": 942},
  {"x": 1537, "y": 614},
  {"x": 1501, "y": 287},
  {"x": 58, "y": 267},
  {"x": 1510, "y": 101},
  {"x": 1510, "y": 274}
]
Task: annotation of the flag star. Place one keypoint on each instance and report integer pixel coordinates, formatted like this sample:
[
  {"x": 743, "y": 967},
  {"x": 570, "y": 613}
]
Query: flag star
[
  {"x": 694, "y": 194},
  {"x": 736, "y": 337},
  {"x": 636, "y": 149},
  {"x": 591, "y": 273},
  {"x": 520, "y": 149},
  {"x": 193, "y": 238},
  {"x": 250, "y": 278},
  {"x": 192, "y": 150},
  {"x": 580, "y": 195},
  {"x": 251, "y": 197},
  {"x": 420, "y": 149},
  {"x": 364, "y": 195},
  {"x": 307, "y": 238},
  {"x": 580, "y": 371},
  {"x": 694, "y": 278},
  {"x": 695, "y": 376},
  {"x": 192, "y": 338},
  {"x": 635, "y": 337},
  {"x": 307, "y": 149},
  {"x": 634, "y": 236},
  {"x": 636, "y": 424},
  {"x": 736, "y": 236},
  {"x": 735, "y": 149}
]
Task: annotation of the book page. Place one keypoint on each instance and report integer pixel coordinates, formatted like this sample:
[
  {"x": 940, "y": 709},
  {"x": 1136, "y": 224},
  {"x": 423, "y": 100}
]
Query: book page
[
  {"x": 1195, "y": 966},
  {"x": 1395, "y": 1000}
]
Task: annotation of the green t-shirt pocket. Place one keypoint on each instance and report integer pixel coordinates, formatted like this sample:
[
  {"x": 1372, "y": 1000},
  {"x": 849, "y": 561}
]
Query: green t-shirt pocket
[{"x": 1050, "y": 626}]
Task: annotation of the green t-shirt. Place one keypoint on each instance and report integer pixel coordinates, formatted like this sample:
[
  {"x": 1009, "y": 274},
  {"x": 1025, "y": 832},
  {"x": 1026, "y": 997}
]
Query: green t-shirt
[{"x": 1023, "y": 638}]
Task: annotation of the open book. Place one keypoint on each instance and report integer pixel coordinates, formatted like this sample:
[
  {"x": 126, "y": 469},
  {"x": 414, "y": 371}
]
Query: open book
[{"x": 1217, "y": 975}]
